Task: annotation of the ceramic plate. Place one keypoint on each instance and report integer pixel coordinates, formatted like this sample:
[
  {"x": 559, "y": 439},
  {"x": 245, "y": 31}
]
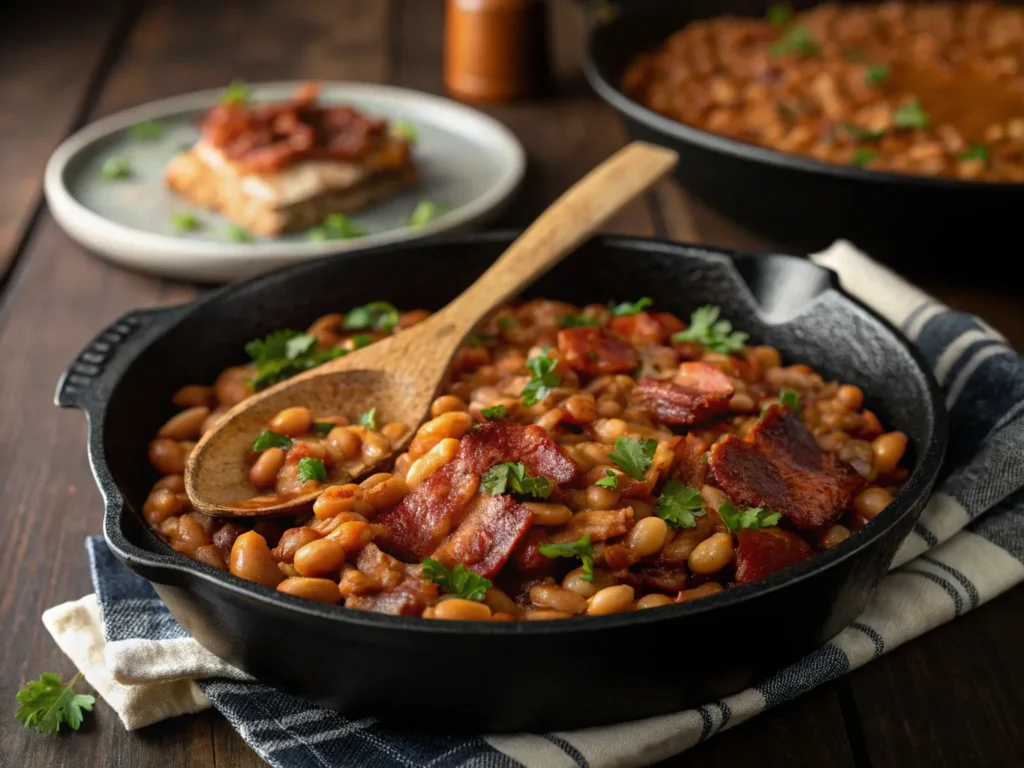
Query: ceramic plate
[{"x": 468, "y": 162}]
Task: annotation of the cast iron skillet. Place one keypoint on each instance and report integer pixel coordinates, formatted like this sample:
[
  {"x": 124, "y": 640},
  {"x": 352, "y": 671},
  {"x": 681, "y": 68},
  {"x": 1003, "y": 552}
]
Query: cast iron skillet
[
  {"x": 798, "y": 201},
  {"x": 529, "y": 675}
]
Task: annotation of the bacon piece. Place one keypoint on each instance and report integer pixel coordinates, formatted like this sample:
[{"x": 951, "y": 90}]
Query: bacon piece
[
  {"x": 641, "y": 329},
  {"x": 766, "y": 551},
  {"x": 224, "y": 537},
  {"x": 407, "y": 599},
  {"x": 418, "y": 525},
  {"x": 653, "y": 577},
  {"x": 618, "y": 557},
  {"x": 599, "y": 524},
  {"x": 780, "y": 465},
  {"x": 669, "y": 322},
  {"x": 486, "y": 537},
  {"x": 696, "y": 392},
  {"x": 691, "y": 464},
  {"x": 594, "y": 353},
  {"x": 527, "y": 556}
]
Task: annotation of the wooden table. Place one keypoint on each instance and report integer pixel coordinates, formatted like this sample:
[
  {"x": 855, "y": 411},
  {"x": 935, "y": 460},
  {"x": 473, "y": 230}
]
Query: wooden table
[{"x": 950, "y": 698}]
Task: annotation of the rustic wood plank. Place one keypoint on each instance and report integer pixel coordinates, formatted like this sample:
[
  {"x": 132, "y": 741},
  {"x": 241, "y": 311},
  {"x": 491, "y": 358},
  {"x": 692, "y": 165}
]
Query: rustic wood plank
[{"x": 49, "y": 56}]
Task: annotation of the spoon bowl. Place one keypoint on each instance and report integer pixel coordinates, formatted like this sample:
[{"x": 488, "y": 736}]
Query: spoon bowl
[{"x": 401, "y": 375}]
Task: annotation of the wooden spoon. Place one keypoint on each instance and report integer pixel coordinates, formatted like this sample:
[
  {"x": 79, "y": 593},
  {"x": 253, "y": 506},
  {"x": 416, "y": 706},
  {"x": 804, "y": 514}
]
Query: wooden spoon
[{"x": 401, "y": 375}]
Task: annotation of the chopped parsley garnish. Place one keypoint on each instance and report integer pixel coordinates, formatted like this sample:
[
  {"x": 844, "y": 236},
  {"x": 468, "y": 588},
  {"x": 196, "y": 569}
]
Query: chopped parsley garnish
[
  {"x": 717, "y": 335},
  {"x": 507, "y": 322},
  {"x": 147, "y": 130},
  {"x": 580, "y": 549},
  {"x": 785, "y": 110},
  {"x": 633, "y": 456},
  {"x": 337, "y": 226},
  {"x": 577, "y": 321},
  {"x": 679, "y": 505},
  {"x": 361, "y": 340},
  {"x": 311, "y": 469},
  {"x": 543, "y": 379},
  {"x": 747, "y": 519},
  {"x": 494, "y": 412},
  {"x": 632, "y": 308},
  {"x": 184, "y": 221},
  {"x": 790, "y": 398},
  {"x": 283, "y": 354},
  {"x": 610, "y": 480},
  {"x": 876, "y": 74},
  {"x": 406, "y": 129},
  {"x": 426, "y": 211},
  {"x": 794, "y": 40},
  {"x": 270, "y": 439},
  {"x": 976, "y": 151},
  {"x": 236, "y": 93},
  {"x": 369, "y": 419},
  {"x": 910, "y": 115},
  {"x": 855, "y": 54},
  {"x": 115, "y": 168},
  {"x": 47, "y": 703},
  {"x": 239, "y": 235},
  {"x": 862, "y": 134},
  {"x": 323, "y": 428},
  {"x": 862, "y": 157},
  {"x": 375, "y": 316},
  {"x": 779, "y": 15},
  {"x": 480, "y": 339},
  {"x": 459, "y": 581},
  {"x": 514, "y": 475}
]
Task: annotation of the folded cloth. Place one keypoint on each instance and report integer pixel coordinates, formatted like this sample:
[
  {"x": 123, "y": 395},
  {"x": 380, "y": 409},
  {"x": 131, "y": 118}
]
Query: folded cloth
[{"x": 967, "y": 548}]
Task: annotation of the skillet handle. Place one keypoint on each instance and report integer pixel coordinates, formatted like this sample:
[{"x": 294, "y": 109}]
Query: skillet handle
[{"x": 98, "y": 366}]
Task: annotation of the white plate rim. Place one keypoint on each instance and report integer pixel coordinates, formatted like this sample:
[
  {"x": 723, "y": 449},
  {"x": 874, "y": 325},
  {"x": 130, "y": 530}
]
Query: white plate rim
[{"x": 118, "y": 240}]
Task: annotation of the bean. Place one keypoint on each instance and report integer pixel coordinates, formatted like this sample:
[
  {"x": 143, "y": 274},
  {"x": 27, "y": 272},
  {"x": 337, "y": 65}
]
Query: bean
[
  {"x": 375, "y": 447},
  {"x": 647, "y": 536},
  {"x": 251, "y": 560},
  {"x": 345, "y": 441},
  {"x": 558, "y": 599},
  {"x": 499, "y": 602},
  {"x": 551, "y": 419},
  {"x": 608, "y": 407},
  {"x": 608, "y": 431},
  {"x": 209, "y": 554},
  {"x": 168, "y": 457},
  {"x": 387, "y": 494},
  {"x": 162, "y": 504},
  {"x": 870, "y": 502},
  {"x": 186, "y": 425},
  {"x": 712, "y": 554},
  {"x": 232, "y": 385},
  {"x": 447, "y": 404},
  {"x": 190, "y": 535},
  {"x": 320, "y": 557},
  {"x": 580, "y": 409},
  {"x": 599, "y": 497},
  {"x": 641, "y": 509},
  {"x": 611, "y": 600},
  {"x": 263, "y": 473},
  {"x": 549, "y": 514},
  {"x": 335, "y": 499},
  {"x": 708, "y": 588},
  {"x": 742, "y": 402},
  {"x": 374, "y": 480},
  {"x": 888, "y": 449},
  {"x": 174, "y": 483},
  {"x": 292, "y": 541},
  {"x": 545, "y": 614},
  {"x": 393, "y": 431},
  {"x": 461, "y": 610},
  {"x": 320, "y": 590},
  {"x": 850, "y": 396},
  {"x": 427, "y": 464},
  {"x": 293, "y": 421},
  {"x": 833, "y": 536},
  {"x": 573, "y": 581},
  {"x": 192, "y": 395},
  {"x": 653, "y": 601},
  {"x": 452, "y": 424},
  {"x": 351, "y": 535},
  {"x": 712, "y": 497}
]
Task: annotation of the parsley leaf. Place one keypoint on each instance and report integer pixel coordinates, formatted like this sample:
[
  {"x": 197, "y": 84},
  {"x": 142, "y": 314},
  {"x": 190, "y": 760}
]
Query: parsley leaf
[
  {"x": 862, "y": 134},
  {"x": 855, "y": 54},
  {"x": 369, "y": 419},
  {"x": 679, "y": 505},
  {"x": 862, "y": 157},
  {"x": 748, "y": 519},
  {"x": 507, "y": 322},
  {"x": 311, "y": 469},
  {"x": 115, "y": 168},
  {"x": 717, "y": 335},
  {"x": 790, "y": 398},
  {"x": 47, "y": 703},
  {"x": 632, "y": 308},
  {"x": 236, "y": 93},
  {"x": 494, "y": 412},
  {"x": 543, "y": 379},
  {"x": 376, "y": 316},
  {"x": 336, "y": 226},
  {"x": 459, "y": 581},
  {"x": 976, "y": 151},
  {"x": 361, "y": 340},
  {"x": 794, "y": 40},
  {"x": 580, "y": 549},
  {"x": 501, "y": 476},
  {"x": 480, "y": 339},
  {"x": 239, "y": 235},
  {"x": 610, "y": 480},
  {"x": 184, "y": 221},
  {"x": 633, "y": 456},
  {"x": 270, "y": 439},
  {"x": 910, "y": 115},
  {"x": 323, "y": 428},
  {"x": 147, "y": 130},
  {"x": 406, "y": 129},
  {"x": 577, "y": 321},
  {"x": 285, "y": 353},
  {"x": 876, "y": 74},
  {"x": 779, "y": 15},
  {"x": 426, "y": 211}
]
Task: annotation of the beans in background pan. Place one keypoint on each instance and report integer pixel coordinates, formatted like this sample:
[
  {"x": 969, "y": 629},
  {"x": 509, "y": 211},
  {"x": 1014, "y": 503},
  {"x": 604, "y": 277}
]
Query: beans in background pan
[
  {"x": 931, "y": 89},
  {"x": 582, "y": 461}
]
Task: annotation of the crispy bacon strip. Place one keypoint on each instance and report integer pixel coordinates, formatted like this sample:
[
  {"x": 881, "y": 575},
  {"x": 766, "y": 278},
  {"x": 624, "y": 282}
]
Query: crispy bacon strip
[
  {"x": 641, "y": 329},
  {"x": 691, "y": 463},
  {"x": 417, "y": 526},
  {"x": 766, "y": 551},
  {"x": 780, "y": 465},
  {"x": 594, "y": 353},
  {"x": 486, "y": 537},
  {"x": 697, "y": 392}
]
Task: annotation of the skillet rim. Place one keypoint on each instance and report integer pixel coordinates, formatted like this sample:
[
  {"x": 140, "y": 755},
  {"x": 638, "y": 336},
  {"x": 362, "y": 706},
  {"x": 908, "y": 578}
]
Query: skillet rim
[
  {"x": 596, "y": 67},
  {"x": 161, "y": 558}
]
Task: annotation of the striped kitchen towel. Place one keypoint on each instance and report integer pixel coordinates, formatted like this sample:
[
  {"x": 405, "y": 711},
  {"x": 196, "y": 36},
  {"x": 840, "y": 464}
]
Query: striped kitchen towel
[{"x": 967, "y": 548}]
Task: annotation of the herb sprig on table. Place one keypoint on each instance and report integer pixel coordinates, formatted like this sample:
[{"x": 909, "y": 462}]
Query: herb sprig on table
[{"x": 47, "y": 703}]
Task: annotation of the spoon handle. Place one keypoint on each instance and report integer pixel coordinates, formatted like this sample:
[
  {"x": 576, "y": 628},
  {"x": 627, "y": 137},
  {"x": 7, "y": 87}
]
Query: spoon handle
[{"x": 561, "y": 228}]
